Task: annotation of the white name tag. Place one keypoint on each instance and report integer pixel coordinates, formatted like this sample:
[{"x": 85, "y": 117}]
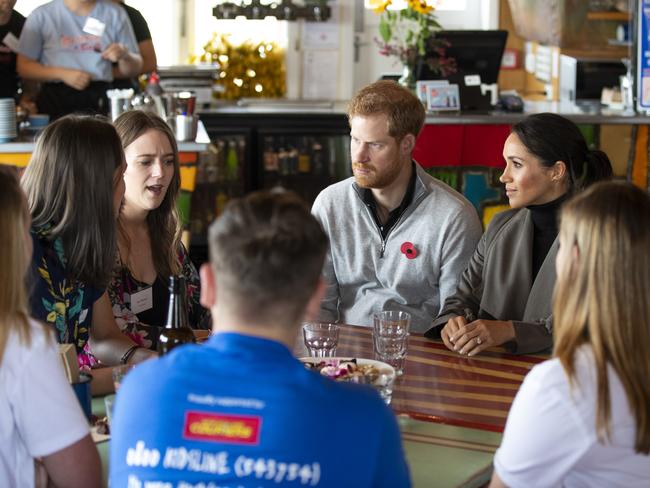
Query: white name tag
[
  {"x": 472, "y": 80},
  {"x": 94, "y": 27},
  {"x": 11, "y": 42},
  {"x": 142, "y": 300}
]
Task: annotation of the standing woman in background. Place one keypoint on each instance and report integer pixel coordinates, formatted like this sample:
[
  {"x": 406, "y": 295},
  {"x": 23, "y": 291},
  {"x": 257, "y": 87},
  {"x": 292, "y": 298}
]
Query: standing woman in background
[
  {"x": 583, "y": 417},
  {"x": 145, "y": 44},
  {"x": 40, "y": 416},
  {"x": 74, "y": 185},
  {"x": 505, "y": 294},
  {"x": 149, "y": 232}
]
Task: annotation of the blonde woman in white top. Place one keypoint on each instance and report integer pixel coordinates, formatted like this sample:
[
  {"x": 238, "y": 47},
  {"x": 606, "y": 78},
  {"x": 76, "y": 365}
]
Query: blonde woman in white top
[
  {"x": 583, "y": 418},
  {"x": 40, "y": 417}
]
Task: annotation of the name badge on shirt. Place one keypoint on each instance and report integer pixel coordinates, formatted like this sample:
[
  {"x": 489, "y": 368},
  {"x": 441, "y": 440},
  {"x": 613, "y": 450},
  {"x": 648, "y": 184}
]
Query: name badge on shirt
[
  {"x": 142, "y": 300},
  {"x": 11, "y": 42},
  {"x": 94, "y": 27}
]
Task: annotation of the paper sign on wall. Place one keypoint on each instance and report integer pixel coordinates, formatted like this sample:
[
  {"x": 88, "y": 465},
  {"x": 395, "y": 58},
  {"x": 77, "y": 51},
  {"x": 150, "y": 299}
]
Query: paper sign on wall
[{"x": 643, "y": 58}]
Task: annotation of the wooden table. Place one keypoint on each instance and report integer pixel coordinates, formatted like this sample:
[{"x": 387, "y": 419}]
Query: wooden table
[
  {"x": 452, "y": 409},
  {"x": 439, "y": 385}
]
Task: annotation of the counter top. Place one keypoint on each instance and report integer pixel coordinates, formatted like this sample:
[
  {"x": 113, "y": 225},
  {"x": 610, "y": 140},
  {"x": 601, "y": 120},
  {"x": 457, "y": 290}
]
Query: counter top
[
  {"x": 279, "y": 106},
  {"x": 579, "y": 114},
  {"x": 26, "y": 145}
]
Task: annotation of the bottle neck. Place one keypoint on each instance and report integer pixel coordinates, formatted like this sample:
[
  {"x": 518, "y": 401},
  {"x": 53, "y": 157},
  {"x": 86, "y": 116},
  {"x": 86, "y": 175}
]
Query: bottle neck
[{"x": 176, "y": 311}]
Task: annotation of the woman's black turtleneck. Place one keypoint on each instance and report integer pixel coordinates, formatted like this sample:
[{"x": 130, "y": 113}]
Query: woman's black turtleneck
[{"x": 544, "y": 229}]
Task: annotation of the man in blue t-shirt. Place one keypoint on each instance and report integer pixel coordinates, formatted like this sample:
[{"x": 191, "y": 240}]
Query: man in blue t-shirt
[{"x": 241, "y": 410}]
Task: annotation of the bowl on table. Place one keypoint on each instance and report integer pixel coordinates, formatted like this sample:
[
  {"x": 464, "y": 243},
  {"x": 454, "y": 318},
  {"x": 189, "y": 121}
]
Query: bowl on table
[{"x": 377, "y": 374}]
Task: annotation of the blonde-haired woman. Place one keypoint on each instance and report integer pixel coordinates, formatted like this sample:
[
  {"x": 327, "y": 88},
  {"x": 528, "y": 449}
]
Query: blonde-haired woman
[
  {"x": 149, "y": 232},
  {"x": 39, "y": 414},
  {"x": 583, "y": 418}
]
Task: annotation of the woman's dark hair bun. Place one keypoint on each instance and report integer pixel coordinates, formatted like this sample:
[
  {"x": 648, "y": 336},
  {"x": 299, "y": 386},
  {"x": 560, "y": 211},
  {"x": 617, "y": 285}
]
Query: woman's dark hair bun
[{"x": 597, "y": 167}]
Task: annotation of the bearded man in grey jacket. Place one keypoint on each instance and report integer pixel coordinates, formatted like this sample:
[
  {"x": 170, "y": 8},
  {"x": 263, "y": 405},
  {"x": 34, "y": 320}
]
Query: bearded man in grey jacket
[{"x": 399, "y": 239}]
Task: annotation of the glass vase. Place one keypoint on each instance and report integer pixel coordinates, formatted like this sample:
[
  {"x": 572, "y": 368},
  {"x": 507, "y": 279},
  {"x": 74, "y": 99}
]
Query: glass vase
[{"x": 407, "y": 80}]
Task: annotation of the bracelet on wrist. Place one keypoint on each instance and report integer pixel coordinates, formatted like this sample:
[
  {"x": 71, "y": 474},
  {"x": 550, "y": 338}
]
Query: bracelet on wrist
[{"x": 129, "y": 353}]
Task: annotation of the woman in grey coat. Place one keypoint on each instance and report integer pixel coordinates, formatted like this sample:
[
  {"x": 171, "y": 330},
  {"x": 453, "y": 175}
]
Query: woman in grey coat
[{"x": 504, "y": 297}]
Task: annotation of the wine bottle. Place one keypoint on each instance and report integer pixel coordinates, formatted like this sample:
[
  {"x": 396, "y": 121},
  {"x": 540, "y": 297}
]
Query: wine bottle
[
  {"x": 177, "y": 330},
  {"x": 232, "y": 162}
]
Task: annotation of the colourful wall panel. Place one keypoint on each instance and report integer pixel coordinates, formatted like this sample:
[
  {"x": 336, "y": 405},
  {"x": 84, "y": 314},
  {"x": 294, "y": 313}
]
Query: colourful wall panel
[
  {"x": 483, "y": 145},
  {"x": 439, "y": 145}
]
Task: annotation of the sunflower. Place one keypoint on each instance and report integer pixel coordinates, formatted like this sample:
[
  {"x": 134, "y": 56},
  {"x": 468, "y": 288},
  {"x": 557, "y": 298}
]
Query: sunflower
[
  {"x": 379, "y": 6},
  {"x": 420, "y": 6}
]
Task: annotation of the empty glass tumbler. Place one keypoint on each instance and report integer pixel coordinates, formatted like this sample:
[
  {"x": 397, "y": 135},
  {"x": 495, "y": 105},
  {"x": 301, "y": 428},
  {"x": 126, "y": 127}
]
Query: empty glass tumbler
[
  {"x": 321, "y": 338},
  {"x": 390, "y": 337}
]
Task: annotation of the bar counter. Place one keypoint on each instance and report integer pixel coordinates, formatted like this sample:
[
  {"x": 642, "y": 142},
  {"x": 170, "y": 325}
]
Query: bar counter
[
  {"x": 18, "y": 152},
  {"x": 580, "y": 114}
]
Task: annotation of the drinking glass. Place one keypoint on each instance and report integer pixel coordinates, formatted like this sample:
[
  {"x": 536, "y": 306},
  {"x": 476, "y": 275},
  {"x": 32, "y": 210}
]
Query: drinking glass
[
  {"x": 321, "y": 338},
  {"x": 109, "y": 401},
  {"x": 390, "y": 337},
  {"x": 118, "y": 373}
]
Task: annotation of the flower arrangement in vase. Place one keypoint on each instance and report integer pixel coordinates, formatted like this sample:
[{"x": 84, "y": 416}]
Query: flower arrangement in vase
[{"x": 408, "y": 34}]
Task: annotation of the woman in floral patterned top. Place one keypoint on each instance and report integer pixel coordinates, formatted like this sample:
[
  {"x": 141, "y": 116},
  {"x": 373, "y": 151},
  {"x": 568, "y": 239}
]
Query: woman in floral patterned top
[
  {"x": 150, "y": 249},
  {"x": 74, "y": 189}
]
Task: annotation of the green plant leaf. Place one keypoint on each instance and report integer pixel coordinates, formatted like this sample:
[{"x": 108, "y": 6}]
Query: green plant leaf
[
  {"x": 385, "y": 30},
  {"x": 421, "y": 46}
]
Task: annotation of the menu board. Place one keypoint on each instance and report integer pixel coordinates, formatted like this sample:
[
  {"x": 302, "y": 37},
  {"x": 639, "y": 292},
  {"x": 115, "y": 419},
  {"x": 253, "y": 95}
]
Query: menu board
[{"x": 643, "y": 57}]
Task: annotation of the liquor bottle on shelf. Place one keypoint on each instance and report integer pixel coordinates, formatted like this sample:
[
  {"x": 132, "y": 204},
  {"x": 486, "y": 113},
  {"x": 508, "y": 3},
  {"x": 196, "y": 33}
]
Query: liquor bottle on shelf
[
  {"x": 318, "y": 158},
  {"x": 220, "y": 175},
  {"x": 283, "y": 157},
  {"x": 331, "y": 153},
  {"x": 270, "y": 156},
  {"x": 232, "y": 161},
  {"x": 241, "y": 153},
  {"x": 220, "y": 202},
  {"x": 177, "y": 330},
  {"x": 212, "y": 165},
  {"x": 292, "y": 157},
  {"x": 304, "y": 160}
]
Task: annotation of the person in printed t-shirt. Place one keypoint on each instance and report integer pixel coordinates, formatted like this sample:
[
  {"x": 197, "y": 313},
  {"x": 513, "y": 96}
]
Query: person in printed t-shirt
[
  {"x": 241, "y": 410},
  {"x": 69, "y": 46},
  {"x": 399, "y": 238}
]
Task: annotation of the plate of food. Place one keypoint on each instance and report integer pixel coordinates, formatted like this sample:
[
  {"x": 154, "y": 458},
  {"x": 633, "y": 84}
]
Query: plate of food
[{"x": 355, "y": 370}]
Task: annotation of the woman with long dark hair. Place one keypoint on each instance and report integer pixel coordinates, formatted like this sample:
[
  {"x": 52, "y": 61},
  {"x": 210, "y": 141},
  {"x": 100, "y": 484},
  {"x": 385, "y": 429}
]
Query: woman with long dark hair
[
  {"x": 504, "y": 295},
  {"x": 149, "y": 232},
  {"x": 74, "y": 185}
]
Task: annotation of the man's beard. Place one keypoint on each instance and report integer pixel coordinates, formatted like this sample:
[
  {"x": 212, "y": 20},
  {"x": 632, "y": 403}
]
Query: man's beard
[{"x": 375, "y": 179}]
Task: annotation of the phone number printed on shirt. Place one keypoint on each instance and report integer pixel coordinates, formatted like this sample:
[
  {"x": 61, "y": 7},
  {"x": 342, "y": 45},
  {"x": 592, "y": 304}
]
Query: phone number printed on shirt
[{"x": 270, "y": 469}]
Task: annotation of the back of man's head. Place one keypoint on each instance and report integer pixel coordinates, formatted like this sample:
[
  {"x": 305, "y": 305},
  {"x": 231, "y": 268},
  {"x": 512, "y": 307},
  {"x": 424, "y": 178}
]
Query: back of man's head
[
  {"x": 267, "y": 253},
  {"x": 403, "y": 109}
]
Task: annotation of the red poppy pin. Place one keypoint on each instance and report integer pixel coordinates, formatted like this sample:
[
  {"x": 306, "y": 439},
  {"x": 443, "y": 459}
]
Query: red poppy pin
[{"x": 408, "y": 249}]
